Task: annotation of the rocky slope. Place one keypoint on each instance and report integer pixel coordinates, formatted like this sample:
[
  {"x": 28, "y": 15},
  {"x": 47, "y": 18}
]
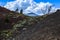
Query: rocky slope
[
  {"x": 47, "y": 29},
  {"x": 8, "y": 18}
]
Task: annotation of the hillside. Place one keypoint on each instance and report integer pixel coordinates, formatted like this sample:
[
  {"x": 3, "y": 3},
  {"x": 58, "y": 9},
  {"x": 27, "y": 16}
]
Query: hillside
[
  {"x": 8, "y": 18},
  {"x": 46, "y": 27}
]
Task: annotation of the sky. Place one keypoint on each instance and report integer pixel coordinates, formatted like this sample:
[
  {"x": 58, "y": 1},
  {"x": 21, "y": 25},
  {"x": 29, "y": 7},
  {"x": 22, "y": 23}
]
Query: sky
[
  {"x": 35, "y": 6},
  {"x": 3, "y": 2},
  {"x": 55, "y": 2}
]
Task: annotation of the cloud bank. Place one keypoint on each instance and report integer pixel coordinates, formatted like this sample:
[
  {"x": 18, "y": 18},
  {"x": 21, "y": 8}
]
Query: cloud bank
[{"x": 29, "y": 6}]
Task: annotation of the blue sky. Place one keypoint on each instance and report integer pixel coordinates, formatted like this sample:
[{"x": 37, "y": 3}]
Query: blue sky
[
  {"x": 35, "y": 6},
  {"x": 55, "y": 2},
  {"x": 3, "y": 2}
]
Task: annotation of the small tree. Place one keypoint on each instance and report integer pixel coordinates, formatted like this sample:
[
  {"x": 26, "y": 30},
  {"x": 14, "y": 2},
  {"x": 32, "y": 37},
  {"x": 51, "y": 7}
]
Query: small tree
[
  {"x": 7, "y": 19},
  {"x": 21, "y": 11},
  {"x": 16, "y": 10},
  {"x": 49, "y": 9}
]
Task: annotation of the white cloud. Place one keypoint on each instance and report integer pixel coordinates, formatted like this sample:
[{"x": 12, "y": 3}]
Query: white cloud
[{"x": 29, "y": 6}]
